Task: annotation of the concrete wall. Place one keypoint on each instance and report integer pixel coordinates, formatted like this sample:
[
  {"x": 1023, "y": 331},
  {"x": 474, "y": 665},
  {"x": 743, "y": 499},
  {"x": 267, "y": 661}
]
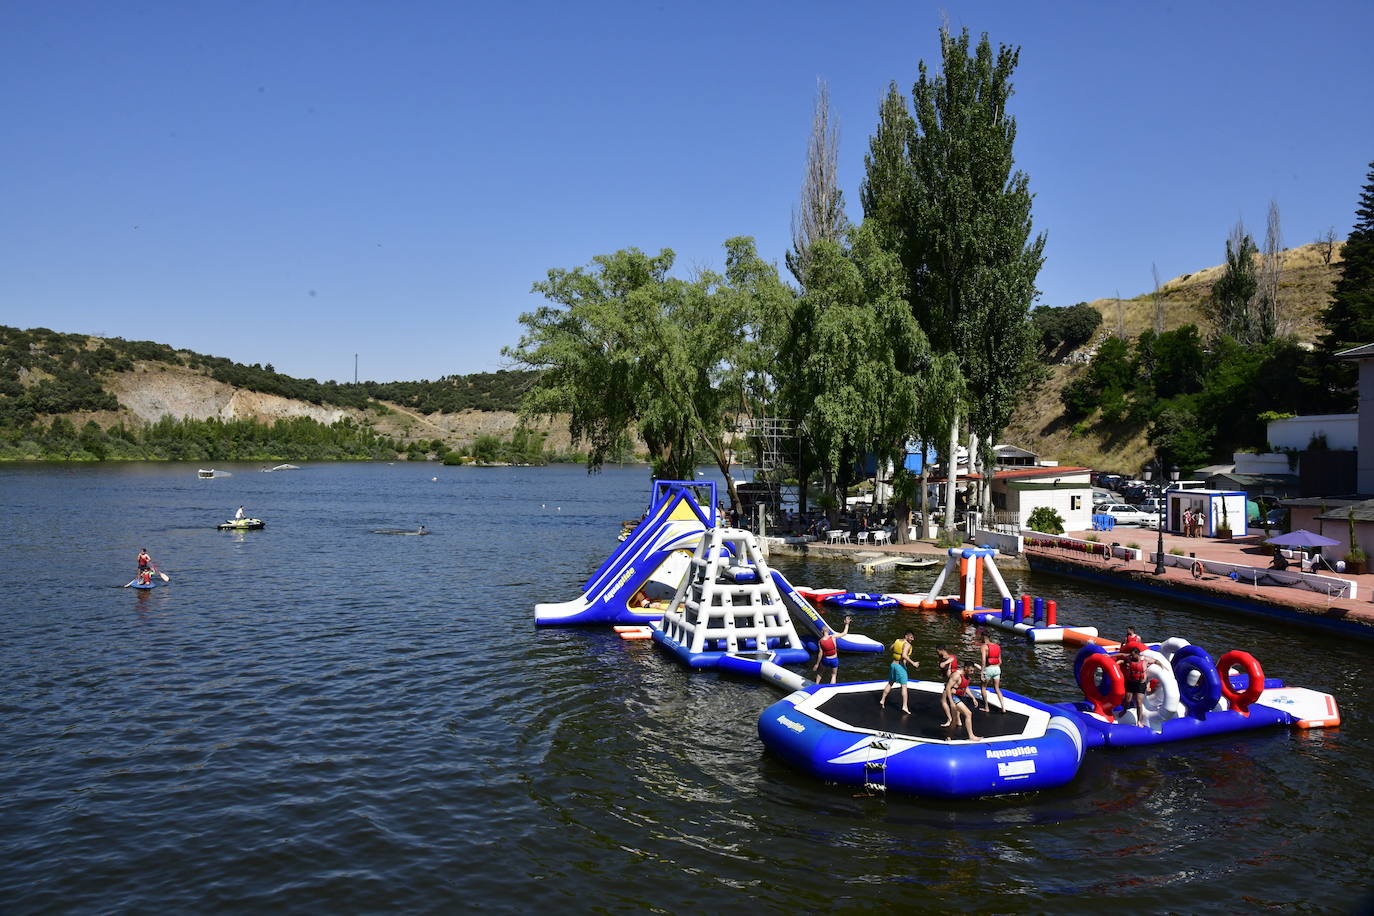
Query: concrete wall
[
  {"x": 1341, "y": 430},
  {"x": 1269, "y": 463},
  {"x": 1009, "y": 544}
]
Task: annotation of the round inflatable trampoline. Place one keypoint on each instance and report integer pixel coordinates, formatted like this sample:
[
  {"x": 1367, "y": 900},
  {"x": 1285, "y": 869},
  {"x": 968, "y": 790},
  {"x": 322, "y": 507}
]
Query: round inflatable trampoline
[{"x": 841, "y": 734}]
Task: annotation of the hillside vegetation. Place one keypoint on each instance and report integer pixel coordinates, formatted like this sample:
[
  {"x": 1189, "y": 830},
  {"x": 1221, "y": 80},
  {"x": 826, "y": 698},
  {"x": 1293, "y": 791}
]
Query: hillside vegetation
[
  {"x": 78, "y": 396},
  {"x": 1040, "y": 422}
]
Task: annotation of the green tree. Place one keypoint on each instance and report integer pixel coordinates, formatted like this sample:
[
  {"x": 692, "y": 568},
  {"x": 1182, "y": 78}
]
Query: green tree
[
  {"x": 972, "y": 262},
  {"x": 1233, "y": 294},
  {"x": 1349, "y": 317},
  {"x": 627, "y": 347},
  {"x": 1046, "y": 520},
  {"x": 1065, "y": 329}
]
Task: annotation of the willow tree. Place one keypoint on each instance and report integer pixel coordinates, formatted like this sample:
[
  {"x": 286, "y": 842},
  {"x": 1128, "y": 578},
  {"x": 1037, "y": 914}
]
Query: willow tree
[
  {"x": 972, "y": 261},
  {"x": 626, "y": 348},
  {"x": 851, "y": 354}
]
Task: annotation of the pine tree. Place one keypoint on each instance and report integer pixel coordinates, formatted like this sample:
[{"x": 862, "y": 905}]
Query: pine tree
[{"x": 1349, "y": 318}]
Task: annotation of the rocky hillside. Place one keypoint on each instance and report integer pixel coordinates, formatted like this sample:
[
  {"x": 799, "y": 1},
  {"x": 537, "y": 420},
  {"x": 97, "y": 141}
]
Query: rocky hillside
[
  {"x": 111, "y": 381},
  {"x": 154, "y": 390},
  {"x": 1039, "y": 423}
]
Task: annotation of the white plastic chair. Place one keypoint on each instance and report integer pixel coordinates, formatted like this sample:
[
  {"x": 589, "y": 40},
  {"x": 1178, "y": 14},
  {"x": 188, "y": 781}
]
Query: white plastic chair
[
  {"x": 863, "y": 537},
  {"x": 881, "y": 537}
]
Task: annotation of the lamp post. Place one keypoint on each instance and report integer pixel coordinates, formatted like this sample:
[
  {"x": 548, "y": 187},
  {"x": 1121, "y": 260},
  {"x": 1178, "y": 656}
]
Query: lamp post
[{"x": 1159, "y": 524}]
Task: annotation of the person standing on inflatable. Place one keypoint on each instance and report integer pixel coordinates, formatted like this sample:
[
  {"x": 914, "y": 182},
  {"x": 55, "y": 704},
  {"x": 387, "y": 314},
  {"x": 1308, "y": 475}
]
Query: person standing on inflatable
[
  {"x": 896, "y": 671},
  {"x": 1133, "y": 669},
  {"x": 829, "y": 653},
  {"x": 957, "y": 685},
  {"x": 991, "y": 668},
  {"x": 144, "y": 561}
]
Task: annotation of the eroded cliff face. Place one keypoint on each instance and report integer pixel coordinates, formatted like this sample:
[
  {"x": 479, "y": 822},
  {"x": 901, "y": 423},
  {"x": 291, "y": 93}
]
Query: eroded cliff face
[{"x": 155, "y": 390}]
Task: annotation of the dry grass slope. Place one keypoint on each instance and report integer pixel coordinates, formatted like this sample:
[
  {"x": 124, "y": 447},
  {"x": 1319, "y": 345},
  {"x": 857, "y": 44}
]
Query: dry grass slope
[{"x": 1039, "y": 423}]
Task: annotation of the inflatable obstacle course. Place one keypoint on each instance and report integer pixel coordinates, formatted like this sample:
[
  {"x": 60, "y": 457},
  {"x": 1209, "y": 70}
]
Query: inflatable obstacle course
[
  {"x": 728, "y": 604},
  {"x": 726, "y": 609}
]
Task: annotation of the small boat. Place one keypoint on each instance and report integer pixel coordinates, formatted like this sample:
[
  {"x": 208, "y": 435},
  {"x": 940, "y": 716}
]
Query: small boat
[
  {"x": 281, "y": 467},
  {"x": 421, "y": 530},
  {"x": 242, "y": 524},
  {"x": 203, "y": 474}
]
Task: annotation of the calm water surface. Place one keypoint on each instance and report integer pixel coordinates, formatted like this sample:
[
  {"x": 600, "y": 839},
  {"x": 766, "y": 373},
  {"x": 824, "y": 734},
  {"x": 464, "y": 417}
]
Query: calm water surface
[{"x": 317, "y": 718}]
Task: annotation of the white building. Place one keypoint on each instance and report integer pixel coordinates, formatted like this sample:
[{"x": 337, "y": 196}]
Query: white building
[{"x": 1068, "y": 490}]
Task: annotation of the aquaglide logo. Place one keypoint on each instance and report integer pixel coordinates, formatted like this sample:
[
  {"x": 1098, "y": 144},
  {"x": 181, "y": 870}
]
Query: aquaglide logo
[{"x": 999, "y": 753}]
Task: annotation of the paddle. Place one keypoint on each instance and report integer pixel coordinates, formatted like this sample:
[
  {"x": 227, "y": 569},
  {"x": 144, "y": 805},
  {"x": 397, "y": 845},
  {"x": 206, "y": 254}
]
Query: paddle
[
  {"x": 161, "y": 573},
  {"x": 131, "y": 582}
]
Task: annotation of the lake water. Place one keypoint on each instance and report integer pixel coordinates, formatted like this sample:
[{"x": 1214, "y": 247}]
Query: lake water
[{"x": 316, "y": 718}]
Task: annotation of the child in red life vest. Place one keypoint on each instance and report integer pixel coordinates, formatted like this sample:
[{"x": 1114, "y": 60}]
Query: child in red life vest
[
  {"x": 957, "y": 686},
  {"x": 829, "y": 654},
  {"x": 1133, "y": 670}
]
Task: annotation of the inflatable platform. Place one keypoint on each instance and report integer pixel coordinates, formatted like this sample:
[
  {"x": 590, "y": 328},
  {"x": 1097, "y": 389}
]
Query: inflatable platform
[{"x": 841, "y": 734}]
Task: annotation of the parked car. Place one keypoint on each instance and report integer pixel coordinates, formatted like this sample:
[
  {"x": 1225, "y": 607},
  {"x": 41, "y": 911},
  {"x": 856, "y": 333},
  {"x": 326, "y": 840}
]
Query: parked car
[
  {"x": 1152, "y": 504},
  {"x": 1129, "y": 515}
]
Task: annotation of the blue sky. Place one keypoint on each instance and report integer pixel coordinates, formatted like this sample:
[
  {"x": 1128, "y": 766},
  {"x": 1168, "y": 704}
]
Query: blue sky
[{"x": 295, "y": 182}]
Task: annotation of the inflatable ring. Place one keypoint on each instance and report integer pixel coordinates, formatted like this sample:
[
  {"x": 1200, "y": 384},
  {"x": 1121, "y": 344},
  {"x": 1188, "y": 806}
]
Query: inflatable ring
[
  {"x": 1189, "y": 651},
  {"x": 1197, "y": 569},
  {"x": 1104, "y": 701},
  {"x": 1241, "y": 700},
  {"x": 1082, "y": 656},
  {"x": 1198, "y": 697}
]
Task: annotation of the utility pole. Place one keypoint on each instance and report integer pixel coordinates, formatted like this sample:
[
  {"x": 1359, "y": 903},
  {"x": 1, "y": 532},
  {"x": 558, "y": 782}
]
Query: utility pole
[{"x": 355, "y": 368}]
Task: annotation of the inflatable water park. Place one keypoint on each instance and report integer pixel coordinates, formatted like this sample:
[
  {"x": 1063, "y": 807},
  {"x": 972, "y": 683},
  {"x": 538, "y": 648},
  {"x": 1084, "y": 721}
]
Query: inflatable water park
[{"x": 706, "y": 595}]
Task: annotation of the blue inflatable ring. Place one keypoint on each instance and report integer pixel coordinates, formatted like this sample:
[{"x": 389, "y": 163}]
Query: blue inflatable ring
[{"x": 1201, "y": 697}]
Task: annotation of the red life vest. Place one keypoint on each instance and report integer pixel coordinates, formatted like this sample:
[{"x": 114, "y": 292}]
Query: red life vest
[
  {"x": 994, "y": 654},
  {"x": 1134, "y": 670},
  {"x": 828, "y": 645},
  {"x": 962, "y": 689}
]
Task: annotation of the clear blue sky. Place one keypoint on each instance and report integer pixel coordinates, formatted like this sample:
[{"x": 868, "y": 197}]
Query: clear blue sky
[{"x": 294, "y": 182}]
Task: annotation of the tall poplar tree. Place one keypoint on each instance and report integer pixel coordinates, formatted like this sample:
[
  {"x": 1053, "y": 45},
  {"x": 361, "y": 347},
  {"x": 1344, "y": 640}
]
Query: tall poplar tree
[{"x": 972, "y": 260}]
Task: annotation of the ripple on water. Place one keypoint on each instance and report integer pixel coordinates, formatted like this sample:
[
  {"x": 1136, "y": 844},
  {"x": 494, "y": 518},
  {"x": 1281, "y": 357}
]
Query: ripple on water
[{"x": 312, "y": 717}]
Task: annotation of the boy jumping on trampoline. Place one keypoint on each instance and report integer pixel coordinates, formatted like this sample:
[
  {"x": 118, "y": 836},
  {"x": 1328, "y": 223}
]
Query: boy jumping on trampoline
[{"x": 896, "y": 671}]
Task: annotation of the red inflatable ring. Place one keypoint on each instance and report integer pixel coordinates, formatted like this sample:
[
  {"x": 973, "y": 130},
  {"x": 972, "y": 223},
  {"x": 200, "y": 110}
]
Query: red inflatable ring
[
  {"x": 1103, "y": 702},
  {"x": 1237, "y": 659}
]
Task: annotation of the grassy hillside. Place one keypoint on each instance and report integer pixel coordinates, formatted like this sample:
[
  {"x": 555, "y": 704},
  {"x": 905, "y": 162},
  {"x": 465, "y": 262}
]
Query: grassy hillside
[{"x": 1039, "y": 422}]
